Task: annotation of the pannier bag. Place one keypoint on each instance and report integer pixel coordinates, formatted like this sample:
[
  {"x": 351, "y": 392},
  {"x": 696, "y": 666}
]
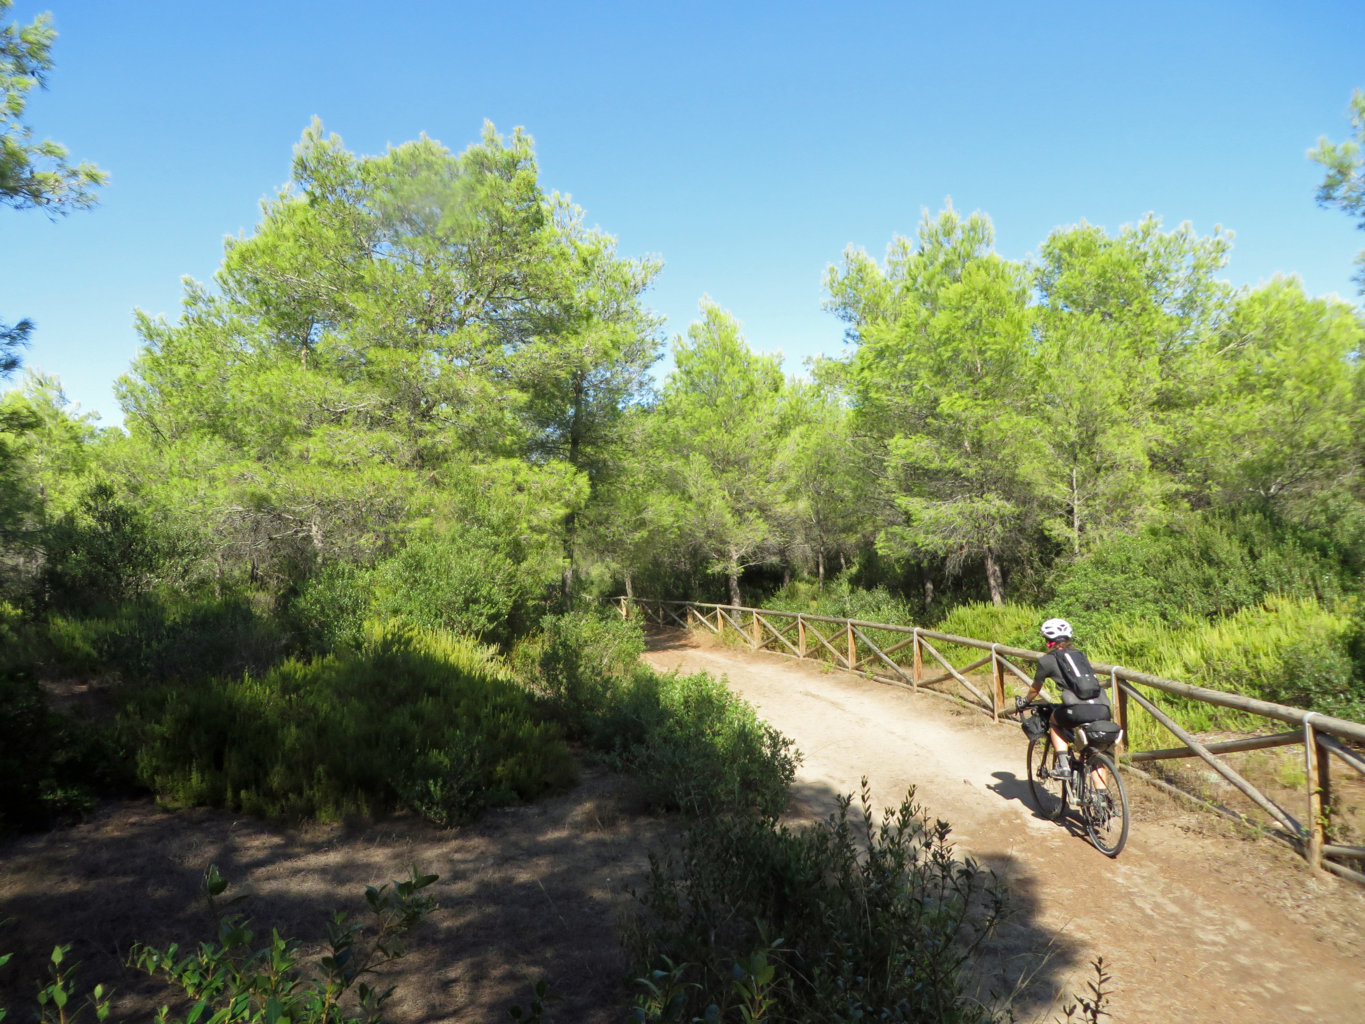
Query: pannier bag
[
  {"x": 1078, "y": 713},
  {"x": 1077, "y": 675},
  {"x": 1101, "y": 735},
  {"x": 1034, "y": 724}
]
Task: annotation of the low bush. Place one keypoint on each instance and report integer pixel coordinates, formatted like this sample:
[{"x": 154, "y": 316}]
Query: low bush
[
  {"x": 470, "y": 580},
  {"x": 691, "y": 744},
  {"x": 414, "y": 720},
  {"x": 1196, "y": 569},
  {"x": 237, "y": 978},
  {"x": 164, "y": 638},
  {"x": 54, "y": 768},
  {"x": 1287, "y": 650},
  {"x": 1013, "y": 625},
  {"x": 578, "y": 660},
  {"x": 330, "y": 609},
  {"x": 848, "y": 920},
  {"x": 240, "y": 981},
  {"x": 841, "y": 600},
  {"x": 694, "y": 746}
]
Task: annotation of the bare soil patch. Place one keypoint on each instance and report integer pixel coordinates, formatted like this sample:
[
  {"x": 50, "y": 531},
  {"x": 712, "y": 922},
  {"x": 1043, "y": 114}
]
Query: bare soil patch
[{"x": 526, "y": 894}]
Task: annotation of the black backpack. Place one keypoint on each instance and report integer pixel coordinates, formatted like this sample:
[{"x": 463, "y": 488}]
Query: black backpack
[{"x": 1077, "y": 675}]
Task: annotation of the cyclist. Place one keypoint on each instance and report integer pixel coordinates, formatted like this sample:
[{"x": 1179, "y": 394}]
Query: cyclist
[{"x": 1057, "y": 634}]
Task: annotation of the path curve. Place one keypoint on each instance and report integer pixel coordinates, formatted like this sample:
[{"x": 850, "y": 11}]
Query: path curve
[{"x": 1193, "y": 922}]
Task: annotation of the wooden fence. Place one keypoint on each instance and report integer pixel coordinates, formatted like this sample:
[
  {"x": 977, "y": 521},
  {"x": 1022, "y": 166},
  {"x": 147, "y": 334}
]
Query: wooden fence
[{"x": 846, "y": 644}]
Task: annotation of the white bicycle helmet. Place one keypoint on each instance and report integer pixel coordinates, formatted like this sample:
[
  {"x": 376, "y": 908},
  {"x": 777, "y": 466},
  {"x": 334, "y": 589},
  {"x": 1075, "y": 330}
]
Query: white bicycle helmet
[{"x": 1057, "y": 629}]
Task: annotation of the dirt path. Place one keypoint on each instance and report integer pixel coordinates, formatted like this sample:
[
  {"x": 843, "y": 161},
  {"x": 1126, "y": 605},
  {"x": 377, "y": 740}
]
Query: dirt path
[{"x": 1193, "y": 922}]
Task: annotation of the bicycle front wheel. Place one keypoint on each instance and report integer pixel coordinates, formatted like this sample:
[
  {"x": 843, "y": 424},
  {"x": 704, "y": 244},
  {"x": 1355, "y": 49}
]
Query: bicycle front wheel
[
  {"x": 1104, "y": 805},
  {"x": 1049, "y": 794}
]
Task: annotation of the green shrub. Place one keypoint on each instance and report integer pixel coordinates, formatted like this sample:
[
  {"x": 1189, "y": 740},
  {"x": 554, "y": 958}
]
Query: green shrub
[
  {"x": 578, "y": 660},
  {"x": 847, "y": 920},
  {"x": 104, "y": 551},
  {"x": 841, "y": 600},
  {"x": 468, "y": 580},
  {"x": 413, "y": 720},
  {"x": 696, "y": 747},
  {"x": 240, "y": 981},
  {"x": 53, "y": 766},
  {"x": 330, "y": 610},
  {"x": 690, "y": 743},
  {"x": 1197, "y": 568},
  {"x": 1288, "y": 650},
  {"x": 1012, "y": 625},
  {"x": 165, "y": 637}
]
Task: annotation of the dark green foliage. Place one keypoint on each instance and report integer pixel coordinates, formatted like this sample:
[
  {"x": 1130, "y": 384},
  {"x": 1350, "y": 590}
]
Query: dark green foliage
[
  {"x": 167, "y": 637},
  {"x": 1198, "y": 568},
  {"x": 465, "y": 581},
  {"x": 329, "y": 610},
  {"x": 105, "y": 552},
  {"x": 578, "y": 659},
  {"x": 696, "y": 747},
  {"x": 53, "y": 766},
  {"x": 1319, "y": 675},
  {"x": 848, "y": 920},
  {"x": 411, "y": 721},
  {"x": 692, "y": 745}
]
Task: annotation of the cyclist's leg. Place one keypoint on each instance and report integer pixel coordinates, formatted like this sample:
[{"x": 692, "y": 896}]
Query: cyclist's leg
[
  {"x": 1099, "y": 776},
  {"x": 1061, "y": 765}
]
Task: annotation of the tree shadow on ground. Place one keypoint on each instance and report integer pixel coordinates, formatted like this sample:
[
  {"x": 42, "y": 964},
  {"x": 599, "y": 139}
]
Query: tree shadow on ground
[
  {"x": 528, "y": 893},
  {"x": 660, "y": 638}
]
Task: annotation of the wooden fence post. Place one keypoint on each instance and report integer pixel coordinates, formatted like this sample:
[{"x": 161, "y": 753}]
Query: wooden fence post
[
  {"x": 998, "y": 683},
  {"x": 758, "y": 629},
  {"x": 720, "y": 623},
  {"x": 1119, "y": 700},
  {"x": 852, "y": 649},
  {"x": 919, "y": 661},
  {"x": 1314, "y": 763},
  {"x": 801, "y": 634}
]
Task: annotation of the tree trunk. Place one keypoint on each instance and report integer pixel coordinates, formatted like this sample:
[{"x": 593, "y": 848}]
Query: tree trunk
[
  {"x": 994, "y": 579},
  {"x": 928, "y": 593},
  {"x": 575, "y": 457},
  {"x": 820, "y": 569},
  {"x": 630, "y": 587},
  {"x": 733, "y": 571},
  {"x": 570, "y": 539},
  {"x": 1075, "y": 514}
]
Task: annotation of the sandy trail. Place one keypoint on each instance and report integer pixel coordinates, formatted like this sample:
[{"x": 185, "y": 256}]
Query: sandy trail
[{"x": 1193, "y": 922}]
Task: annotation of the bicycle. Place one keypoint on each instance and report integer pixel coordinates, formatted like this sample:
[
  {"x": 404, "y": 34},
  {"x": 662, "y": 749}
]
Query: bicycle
[{"x": 1093, "y": 785}]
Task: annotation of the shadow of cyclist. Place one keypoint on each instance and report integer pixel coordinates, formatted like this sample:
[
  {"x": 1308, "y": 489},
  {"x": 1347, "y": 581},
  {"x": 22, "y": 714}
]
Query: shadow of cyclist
[{"x": 1012, "y": 787}]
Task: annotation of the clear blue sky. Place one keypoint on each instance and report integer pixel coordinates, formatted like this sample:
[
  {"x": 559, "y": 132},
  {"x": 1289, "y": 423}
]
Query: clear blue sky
[{"x": 747, "y": 144}]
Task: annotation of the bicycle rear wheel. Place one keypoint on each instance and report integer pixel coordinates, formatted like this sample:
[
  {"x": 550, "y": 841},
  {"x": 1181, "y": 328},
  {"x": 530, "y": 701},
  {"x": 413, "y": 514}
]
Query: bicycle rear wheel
[
  {"x": 1049, "y": 794},
  {"x": 1104, "y": 811}
]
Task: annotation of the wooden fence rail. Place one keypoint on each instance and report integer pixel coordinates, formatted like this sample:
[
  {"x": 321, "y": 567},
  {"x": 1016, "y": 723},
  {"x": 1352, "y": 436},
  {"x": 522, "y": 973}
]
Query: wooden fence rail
[{"x": 896, "y": 654}]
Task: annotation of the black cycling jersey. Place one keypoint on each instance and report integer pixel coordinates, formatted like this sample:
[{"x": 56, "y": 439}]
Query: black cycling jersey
[{"x": 1047, "y": 669}]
